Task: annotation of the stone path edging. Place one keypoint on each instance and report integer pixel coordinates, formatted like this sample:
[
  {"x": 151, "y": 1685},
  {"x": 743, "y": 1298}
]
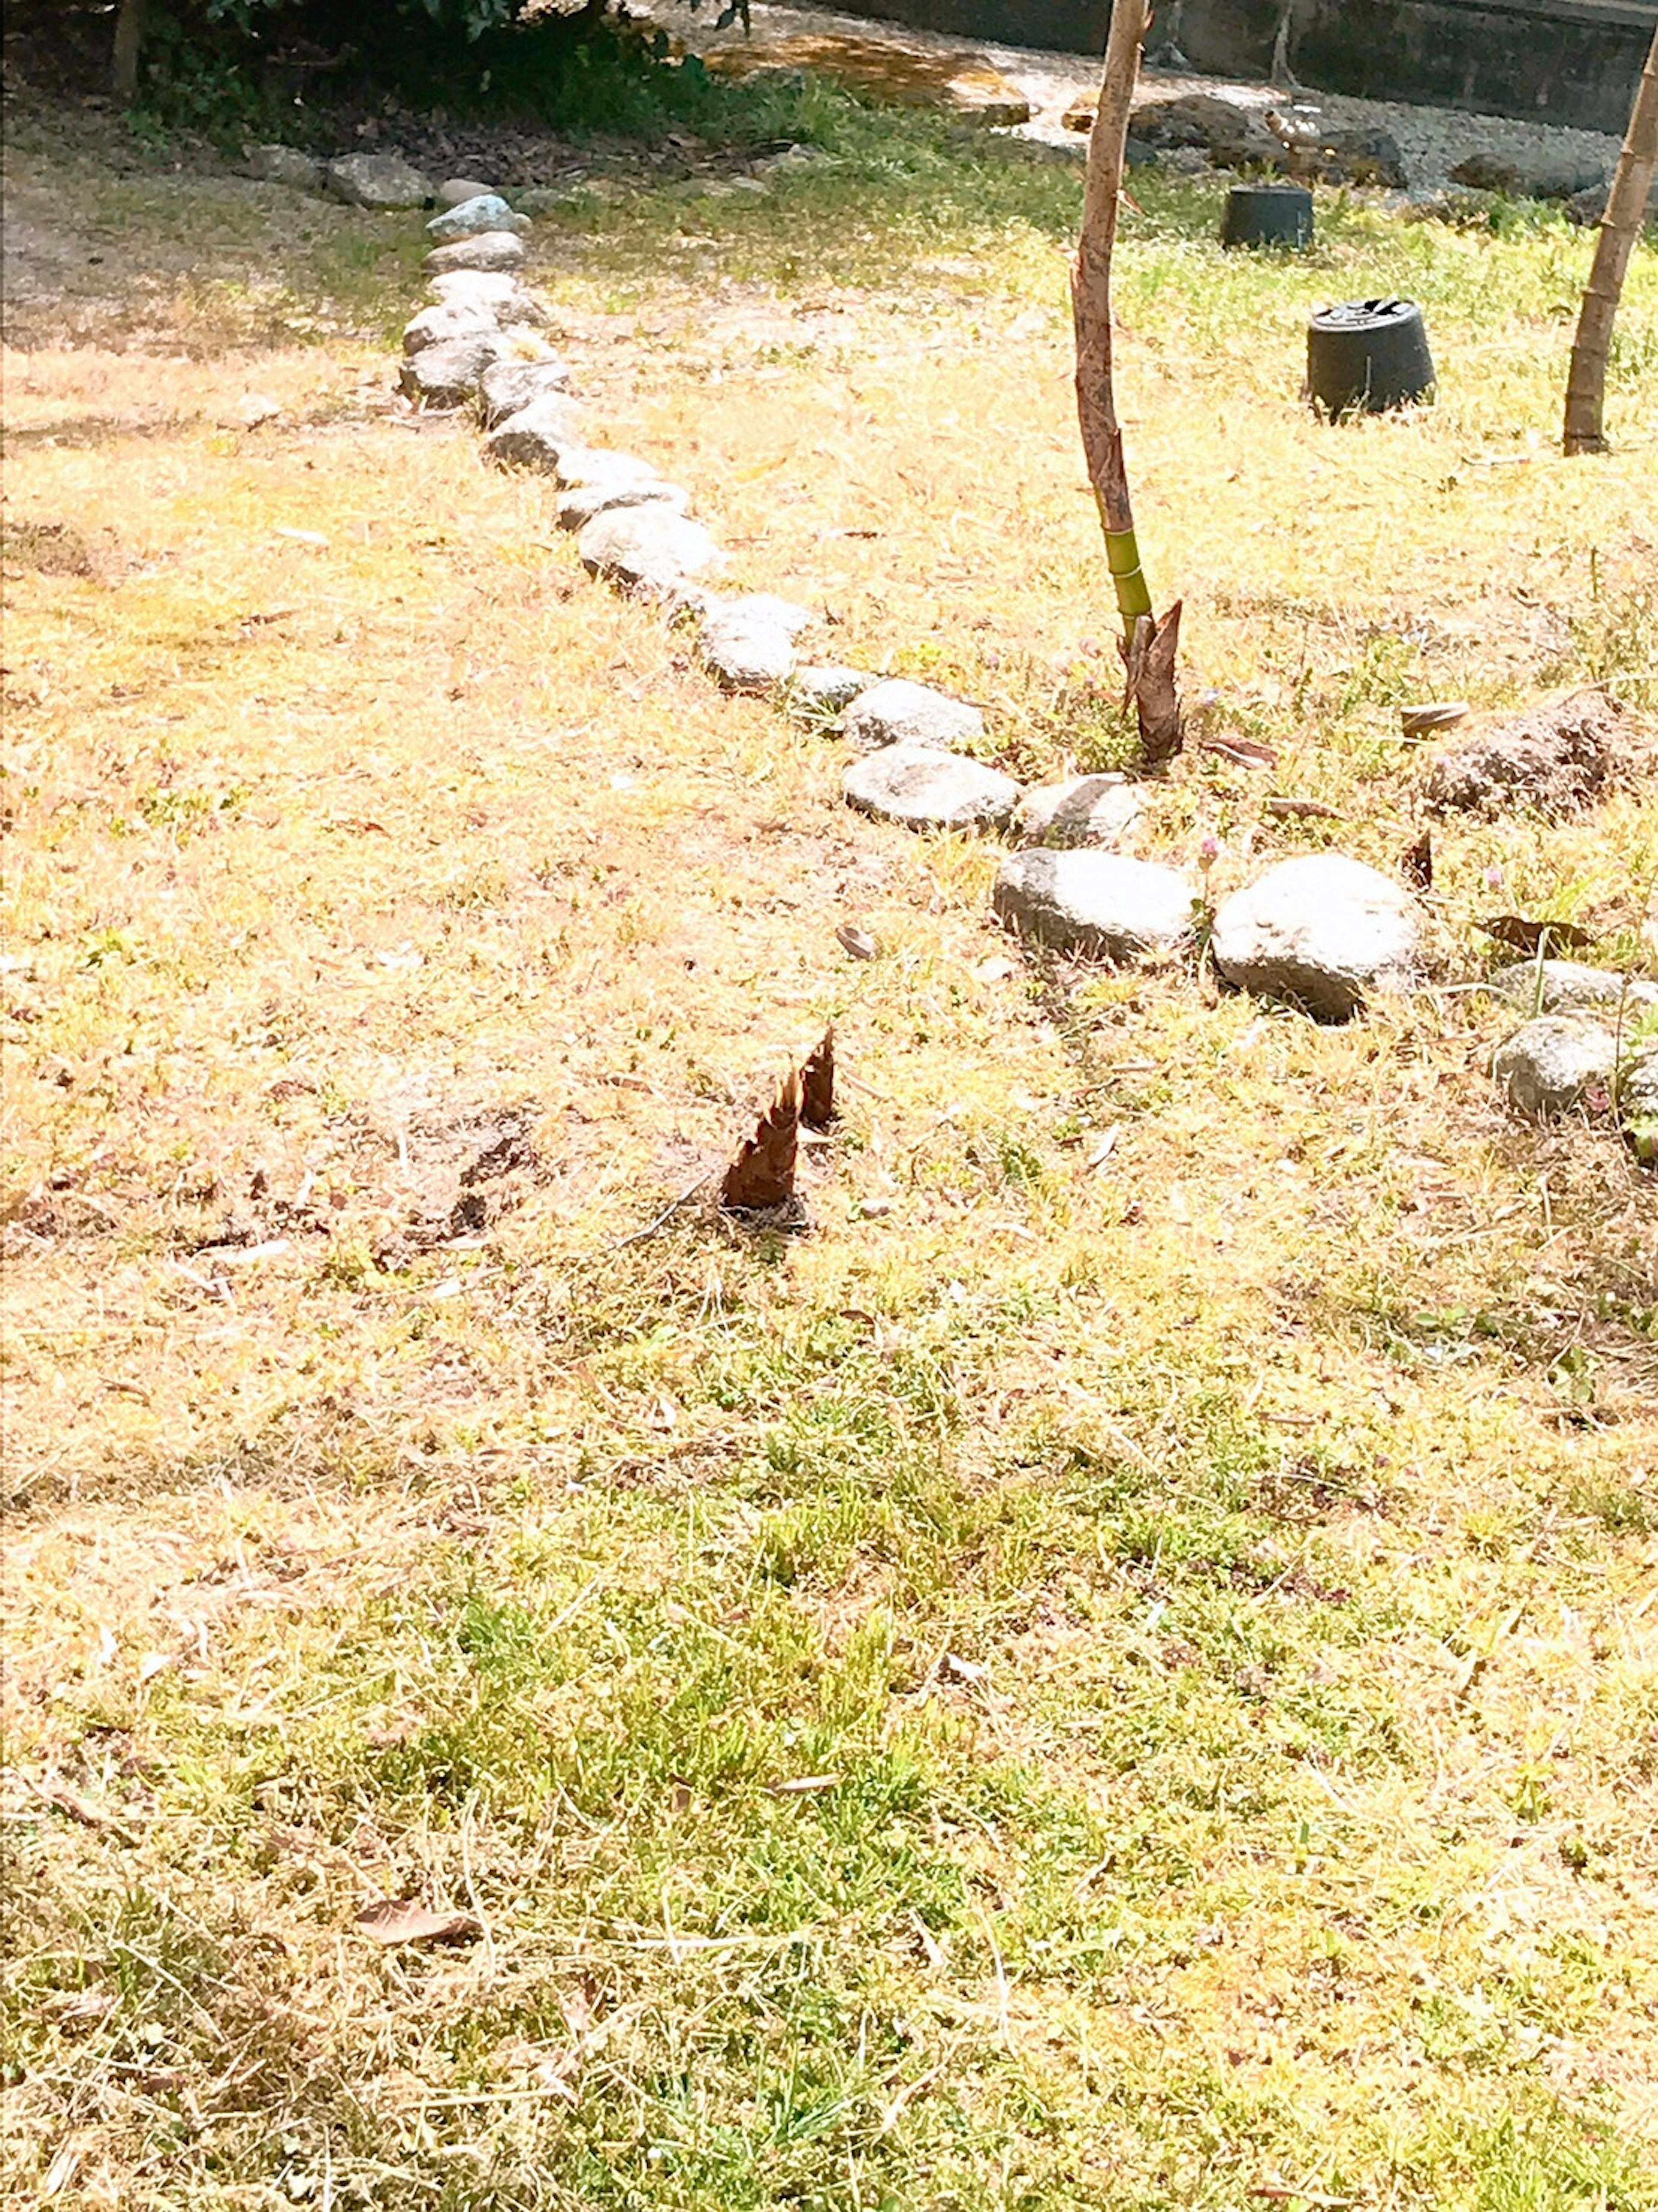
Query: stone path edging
[{"x": 1319, "y": 930}]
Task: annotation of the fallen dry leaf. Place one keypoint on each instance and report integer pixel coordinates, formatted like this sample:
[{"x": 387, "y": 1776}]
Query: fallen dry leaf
[
  {"x": 63, "y": 2170},
  {"x": 857, "y": 942},
  {"x": 1302, "y": 809},
  {"x": 804, "y": 1785},
  {"x": 1434, "y": 714},
  {"x": 1528, "y": 936},
  {"x": 1104, "y": 1145},
  {"x": 1244, "y": 750},
  {"x": 79, "y": 1809},
  {"x": 936, "y": 1957},
  {"x": 401, "y": 1920}
]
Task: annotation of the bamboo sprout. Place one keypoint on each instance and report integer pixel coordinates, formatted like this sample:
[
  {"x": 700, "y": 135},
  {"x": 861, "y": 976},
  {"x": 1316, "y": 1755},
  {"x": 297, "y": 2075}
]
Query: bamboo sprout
[{"x": 1620, "y": 225}]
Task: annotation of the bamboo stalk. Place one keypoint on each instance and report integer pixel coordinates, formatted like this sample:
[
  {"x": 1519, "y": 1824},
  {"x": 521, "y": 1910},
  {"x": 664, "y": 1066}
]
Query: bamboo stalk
[
  {"x": 1620, "y": 225},
  {"x": 1148, "y": 646},
  {"x": 1090, "y": 305}
]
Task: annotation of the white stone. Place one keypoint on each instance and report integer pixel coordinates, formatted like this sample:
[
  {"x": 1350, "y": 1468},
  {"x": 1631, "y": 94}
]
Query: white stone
[
  {"x": 502, "y": 296},
  {"x": 824, "y": 688},
  {"x": 284, "y": 165},
  {"x": 1322, "y": 930},
  {"x": 924, "y": 787},
  {"x": 510, "y": 385},
  {"x": 1570, "y": 987},
  {"x": 378, "y": 180},
  {"x": 455, "y": 191},
  {"x": 648, "y": 549},
  {"x": 1089, "y": 900},
  {"x": 537, "y": 435},
  {"x": 896, "y": 712},
  {"x": 491, "y": 252},
  {"x": 488, "y": 212},
  {"x": 447, "y": 375},
  {"x": 437, "y": 325},
  {"x": 1545, "y": 1065},
  {"x": 749, "y": 643},
  {"x": 1637, "y": 1097},
  {"x": 602, "y": 464},
  {"x": 1089, "y": 809},
  {"x": 577, "y": 505}
]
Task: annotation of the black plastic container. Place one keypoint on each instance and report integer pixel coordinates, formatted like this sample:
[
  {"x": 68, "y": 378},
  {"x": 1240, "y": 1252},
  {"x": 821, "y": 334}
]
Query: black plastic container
[
  {"x": 1368, "y": 355},
  {"x": 1268, "y": 215}
]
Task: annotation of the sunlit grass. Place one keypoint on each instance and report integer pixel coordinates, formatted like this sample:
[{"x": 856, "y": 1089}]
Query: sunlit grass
[{"x": 1205, "y": 1579}]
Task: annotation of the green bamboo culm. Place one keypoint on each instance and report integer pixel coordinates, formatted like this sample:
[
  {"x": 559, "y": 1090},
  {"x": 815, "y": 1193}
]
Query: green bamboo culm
[{"x": 1122, "y": 558}]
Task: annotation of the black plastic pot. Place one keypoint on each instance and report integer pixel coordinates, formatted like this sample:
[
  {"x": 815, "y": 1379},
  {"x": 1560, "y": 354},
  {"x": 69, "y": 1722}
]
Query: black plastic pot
[
  {"x": 1368, "y": 355},
  {"x": 1268, "y": 215}
]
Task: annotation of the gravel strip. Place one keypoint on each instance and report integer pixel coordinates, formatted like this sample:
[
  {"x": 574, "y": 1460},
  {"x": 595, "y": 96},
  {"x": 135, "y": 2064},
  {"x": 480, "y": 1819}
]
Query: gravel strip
[{"x": 1432, "y": 140}]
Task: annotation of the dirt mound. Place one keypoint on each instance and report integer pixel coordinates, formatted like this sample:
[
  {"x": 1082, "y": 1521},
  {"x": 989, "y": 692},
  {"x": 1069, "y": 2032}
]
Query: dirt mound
[{"x": 1558, "y": 758}]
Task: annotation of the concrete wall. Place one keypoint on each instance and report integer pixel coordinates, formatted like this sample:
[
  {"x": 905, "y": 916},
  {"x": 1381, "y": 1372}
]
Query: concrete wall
[{"x": 1554, "y": 61}]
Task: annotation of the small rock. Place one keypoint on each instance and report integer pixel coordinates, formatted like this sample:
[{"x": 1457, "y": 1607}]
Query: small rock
[
  {"x": 1538, "y": 172},
  {"x": 578, "y": 504},
  {"x": 1093, "y": 901},
  {"x": 897, "y": 713},
  {"x": 825, "y": 688},
  {"x": 486, "y": 215},
  {"x": 1321, "y": 930},
  {"x": 749, "y": 643},
  {"x": 510, "y": 385},
  {"x": 284, "y": 165},
  {"x": 1570, "y": 987},
  {"x": 1546, "y": 1066},
  {"x": 1235, "y": 136},
  {"x": 1635, "y": 1093},
  {"x": 793, "y": 157},
  {"x": 1357, "y": 154},
  {"x": 378, "y": 180},
  {"x": 927, "y": 788},
  {"x": 648, "y": 549},
  {"x": 502, "y": 296},
  {"x": 455, "y": 191},
  {"x": 437, "y": 325},
  {"x": 449, "y": 374},
  {"x": 490, "y": 251},
  {"x": 1558, "y": 758},
  {"x": 982, "y": 93},
  {"x": 537, "y": 435},
  {"x": 600, "y": 466},
  {"x": 555, "y": 199},
  {"x": 1089, "y": 809}
]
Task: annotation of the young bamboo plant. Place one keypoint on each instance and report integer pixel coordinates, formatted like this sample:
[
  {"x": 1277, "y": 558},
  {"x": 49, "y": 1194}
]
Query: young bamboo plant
[
  {"x": 1620, "y": 225},
  {"x": 1148, "y": 645}
]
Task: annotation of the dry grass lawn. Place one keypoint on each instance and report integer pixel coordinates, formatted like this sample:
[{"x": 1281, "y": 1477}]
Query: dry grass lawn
[{"x": 1207, "y": 1578}]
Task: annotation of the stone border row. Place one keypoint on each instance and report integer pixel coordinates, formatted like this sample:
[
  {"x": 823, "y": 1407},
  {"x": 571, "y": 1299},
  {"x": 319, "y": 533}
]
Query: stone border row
[{"x": 1320, "y": 929}]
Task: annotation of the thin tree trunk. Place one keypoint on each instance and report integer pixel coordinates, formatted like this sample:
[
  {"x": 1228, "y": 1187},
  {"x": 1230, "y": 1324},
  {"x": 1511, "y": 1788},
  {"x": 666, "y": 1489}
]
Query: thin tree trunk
[
  {"x": 1148, "y": 646},
  {"x": 1278, "y": 69},
  {"x": 128, "y": 37},
  {"x": 1620, "y": 225}
]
